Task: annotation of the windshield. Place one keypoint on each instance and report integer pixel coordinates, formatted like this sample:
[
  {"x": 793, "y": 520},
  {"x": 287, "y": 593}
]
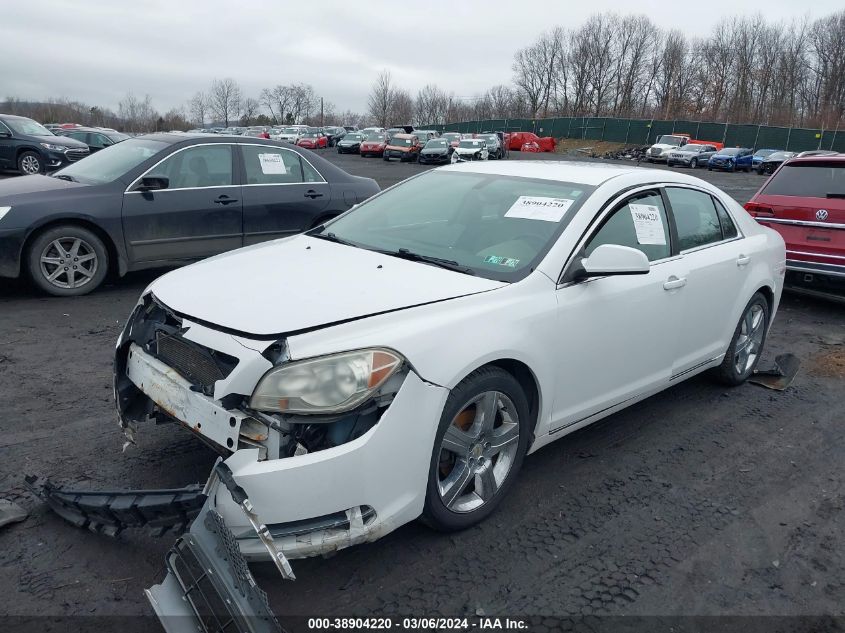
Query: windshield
[
  {"x": 113, "y": 162},
  {"x": 693, "y": 148},
  {"x": 670, "y": 140},
  {"x": 452, "y": 137},
  {"x": 764, "y": 152},
  {"x": 808, "y": 180},
  {"x": 28, "y": 126},
  {"x": 290, "y": 130},
  {"x": 474, "y": 142},
  {"x": 436, "y": 143},
  {"x": 497, "y": 226},
  {"x": 400, "y": 141},
  {"x": 376, "y": 138},
  {"x": 730, "y": 151},
  {"x": 352, "y": 137},
  {"x": 311, "y": 135}
]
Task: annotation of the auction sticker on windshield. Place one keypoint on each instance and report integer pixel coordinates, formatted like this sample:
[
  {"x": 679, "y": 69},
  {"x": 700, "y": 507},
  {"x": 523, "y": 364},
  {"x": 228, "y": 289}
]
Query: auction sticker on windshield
[
  {"x": 648, "y": 224},
  {"x": 539, "y": 208},
  {"x": 272, "y": 164}
]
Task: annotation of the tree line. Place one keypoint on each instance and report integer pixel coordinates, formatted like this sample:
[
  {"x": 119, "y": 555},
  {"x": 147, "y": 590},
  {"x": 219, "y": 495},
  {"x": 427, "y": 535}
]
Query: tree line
[{"x": 745, "y": 70}]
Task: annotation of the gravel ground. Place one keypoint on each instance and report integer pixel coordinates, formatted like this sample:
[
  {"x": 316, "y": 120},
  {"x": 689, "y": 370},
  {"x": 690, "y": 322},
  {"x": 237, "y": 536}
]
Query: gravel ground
[{"x": 697, "y": 501}]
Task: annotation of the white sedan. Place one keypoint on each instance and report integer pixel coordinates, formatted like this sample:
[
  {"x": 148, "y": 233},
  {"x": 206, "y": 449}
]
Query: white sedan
[{"x": 401, "y": 360}]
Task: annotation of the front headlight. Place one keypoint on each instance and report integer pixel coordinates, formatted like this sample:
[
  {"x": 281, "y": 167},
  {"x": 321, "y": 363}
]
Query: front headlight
[
  {"x": 329, "y": 384},
  {"x": 53, "y": 148}
]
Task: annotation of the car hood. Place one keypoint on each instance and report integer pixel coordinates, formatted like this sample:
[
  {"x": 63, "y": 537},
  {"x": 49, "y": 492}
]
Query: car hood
[
  {"x": 467, "y": 150},
  {"x": 664, "y": 146},
  {"x": 64, "y": 141},
  {"x": 19, "y": 189},
  {"x": 300, "y": 283},
  {"x": 349, "y": 142},
  {"x": 436, "y": 150},
  {"x": 723, "y": 156}
]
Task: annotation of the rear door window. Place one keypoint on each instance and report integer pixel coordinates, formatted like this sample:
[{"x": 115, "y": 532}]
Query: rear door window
[
  {"x": 808, "y": 180},
  {"x": 695, "y": 217},
  {"x": 268, "y": 165}
]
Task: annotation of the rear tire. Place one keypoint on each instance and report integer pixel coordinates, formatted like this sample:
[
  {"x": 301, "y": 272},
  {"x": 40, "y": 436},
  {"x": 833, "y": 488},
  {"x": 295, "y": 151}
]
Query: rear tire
[
  {"x": 67, "y": 261},
  {"x": 474, "y": 467},
  {"x": 747, "y": 343}
]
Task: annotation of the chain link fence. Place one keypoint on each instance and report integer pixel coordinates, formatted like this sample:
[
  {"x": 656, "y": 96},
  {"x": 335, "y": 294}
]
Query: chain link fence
[{"x": 645, "y": 131}]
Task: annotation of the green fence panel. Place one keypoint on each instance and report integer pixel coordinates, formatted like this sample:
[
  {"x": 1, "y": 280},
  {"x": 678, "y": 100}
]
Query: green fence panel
[
  {"x": 638, "y": 132},
  {"x": 772, "y": 137},
  {"x": 616, "y": 130},
  {"x": 686, "y": 127},
  {"x": 741, "y": 135},
  {"x": 659, "y": 128},
  {"x": 802, "y": 139},
  {"x": 560, "y": 127},
  {"x": 543, "y": 127},
  {"x": 834, "y": 140},
  {"x": 711, "y": 132}
]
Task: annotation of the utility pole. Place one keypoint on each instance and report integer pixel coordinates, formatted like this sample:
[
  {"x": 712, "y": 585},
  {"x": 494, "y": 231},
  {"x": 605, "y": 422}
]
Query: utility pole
[{"x": 321, "y": 111}]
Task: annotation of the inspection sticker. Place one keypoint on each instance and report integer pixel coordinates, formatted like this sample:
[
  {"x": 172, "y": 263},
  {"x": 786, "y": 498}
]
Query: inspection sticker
[
  {"x": 510, "y": 262},
  {"x": 272, "y": 164},
  {"x": 539, "y": 208},
  {"x": 648, "y": 224}
]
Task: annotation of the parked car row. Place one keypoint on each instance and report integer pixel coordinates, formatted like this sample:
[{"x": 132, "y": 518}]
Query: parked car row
[{"x": 407, "y": 144}]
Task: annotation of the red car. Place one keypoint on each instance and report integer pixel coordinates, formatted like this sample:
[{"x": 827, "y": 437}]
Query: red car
[
  {"x": 454, "y": 138},
  {"x": 374, "y": 145},
  {"x": 313, "y": 140},
  {"x": 804, "y": 201},
  {"x": 517, "y": 139}
]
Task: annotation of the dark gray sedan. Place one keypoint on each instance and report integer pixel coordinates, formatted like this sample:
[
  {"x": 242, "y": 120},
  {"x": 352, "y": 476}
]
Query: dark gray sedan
[{"x": 161, "y": 200}]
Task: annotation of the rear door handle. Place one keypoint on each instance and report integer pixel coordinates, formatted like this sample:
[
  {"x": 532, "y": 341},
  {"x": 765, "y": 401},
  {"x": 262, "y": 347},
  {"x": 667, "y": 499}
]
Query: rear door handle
[
  {"x": 673, "y": 283},
  {"x": 313, "y": 194},
  {"x": 742, "y": 260},
  {"x": 224, "y": 200}
]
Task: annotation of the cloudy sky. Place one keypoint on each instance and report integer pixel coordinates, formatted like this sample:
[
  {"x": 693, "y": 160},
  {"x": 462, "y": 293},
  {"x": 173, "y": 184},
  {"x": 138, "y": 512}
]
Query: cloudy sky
[{"x": 95, "y": 51}]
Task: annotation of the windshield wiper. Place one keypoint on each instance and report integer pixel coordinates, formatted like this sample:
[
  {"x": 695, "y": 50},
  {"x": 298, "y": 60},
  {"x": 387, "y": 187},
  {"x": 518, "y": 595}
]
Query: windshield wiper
[
  {"x": 331, "y": 237},
  {"x": 448, "y": 264},
  {"x": 835, "y": 195},
  {"x": 65, "y": 177}
]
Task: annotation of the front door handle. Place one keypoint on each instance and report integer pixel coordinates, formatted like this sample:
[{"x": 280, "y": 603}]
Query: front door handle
[
  {"x": 224, "y": 200},
  {"x": 673, "y": 283},
  {"x": 742, "y": 260},
  {"x": 313, "y": 194}
]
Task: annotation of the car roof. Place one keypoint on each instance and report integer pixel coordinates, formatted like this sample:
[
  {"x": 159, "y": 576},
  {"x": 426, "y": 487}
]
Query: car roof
[
  {"x": 835, "y": 158},
  {"x": 587, "y": 173}
]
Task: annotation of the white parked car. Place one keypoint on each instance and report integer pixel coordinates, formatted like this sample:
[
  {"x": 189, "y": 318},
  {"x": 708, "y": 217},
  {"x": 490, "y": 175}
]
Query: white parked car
[
  {"x": 401, "y": 360},
  {"x": 471, "y": 149},
  {"x": 290, "y": 134}
]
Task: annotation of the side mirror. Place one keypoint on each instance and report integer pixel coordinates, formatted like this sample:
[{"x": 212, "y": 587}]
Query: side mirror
[
  {"x": 613, "y": 259},
  {"x": 5, "y": 134},
  {"x": 153, "y": 183}
]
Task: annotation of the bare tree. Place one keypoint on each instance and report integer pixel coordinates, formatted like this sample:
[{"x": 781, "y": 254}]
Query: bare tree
[
  {"x": 249, "y": 110},
  {"x": 431, "y": 105},
  {"x": 225, "y": 99},
  {"x": 199, "y": 108},
  {"x": 380, "y": 102}
]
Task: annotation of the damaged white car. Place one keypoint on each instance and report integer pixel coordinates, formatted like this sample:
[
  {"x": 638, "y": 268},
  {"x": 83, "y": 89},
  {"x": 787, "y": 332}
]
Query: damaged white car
[{"x": 401, "y": 360}]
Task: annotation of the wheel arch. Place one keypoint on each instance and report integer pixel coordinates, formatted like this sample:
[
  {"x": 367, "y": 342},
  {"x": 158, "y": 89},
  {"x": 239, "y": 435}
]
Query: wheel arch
[
  {"x": 22, "y": 149},
  {"x": 526, "y": 378},
  {"x": 111, "y": 248}
]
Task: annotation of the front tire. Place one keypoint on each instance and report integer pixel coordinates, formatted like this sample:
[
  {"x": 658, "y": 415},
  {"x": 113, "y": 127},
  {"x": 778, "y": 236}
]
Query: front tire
[
  {"x": 693, "y": 163},
  {"x": 478, "y": 450},
  {"x": 747, "y": 343},
  {"x": 30, "y": 163},
  {"x": 67, "y": 261}
]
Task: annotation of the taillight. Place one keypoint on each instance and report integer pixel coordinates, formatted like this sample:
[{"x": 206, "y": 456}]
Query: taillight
[{"x": 759, "y": 210}]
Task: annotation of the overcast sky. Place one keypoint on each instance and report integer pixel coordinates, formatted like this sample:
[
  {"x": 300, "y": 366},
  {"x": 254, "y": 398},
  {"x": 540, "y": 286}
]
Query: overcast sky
[{"x": 97, "y": 50}]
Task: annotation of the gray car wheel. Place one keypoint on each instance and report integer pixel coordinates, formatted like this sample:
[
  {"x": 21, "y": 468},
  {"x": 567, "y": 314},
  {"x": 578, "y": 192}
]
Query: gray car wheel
[
  {"x": 479, "y": 448},
  {"x": 30, "y": 163},
  {"x": 67, "y": 260},
  {"x": 747, "y": 343}
]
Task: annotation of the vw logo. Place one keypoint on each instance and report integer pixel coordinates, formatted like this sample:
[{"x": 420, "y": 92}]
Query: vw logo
[{"x": 821, "y": 214}]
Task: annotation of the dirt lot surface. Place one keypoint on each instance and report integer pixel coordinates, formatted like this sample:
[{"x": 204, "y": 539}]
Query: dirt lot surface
[{"x": 698, "y": 501}]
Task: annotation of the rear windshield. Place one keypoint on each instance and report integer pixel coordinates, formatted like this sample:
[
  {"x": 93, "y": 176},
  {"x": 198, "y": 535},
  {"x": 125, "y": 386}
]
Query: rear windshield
[{"x": 808, "y": 180}]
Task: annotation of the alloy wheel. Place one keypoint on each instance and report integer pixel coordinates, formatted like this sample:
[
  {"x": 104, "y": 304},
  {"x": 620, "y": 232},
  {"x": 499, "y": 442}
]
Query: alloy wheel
[
  {"x": 68, "y": 262},
  {"x": 30, "y": 165},
  {"x": 477, "y": 451},
  {"x": 750, "y": 338}
]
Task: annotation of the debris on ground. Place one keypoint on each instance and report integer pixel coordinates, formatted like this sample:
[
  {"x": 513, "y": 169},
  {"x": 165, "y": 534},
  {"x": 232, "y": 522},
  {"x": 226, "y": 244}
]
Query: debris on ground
[
  {"x": 11, "y": 512},
  {"x": 780, "y": 375}
]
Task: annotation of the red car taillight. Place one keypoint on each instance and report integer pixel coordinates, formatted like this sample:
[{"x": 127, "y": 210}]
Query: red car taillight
[{"x": 759, "y": 210}]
